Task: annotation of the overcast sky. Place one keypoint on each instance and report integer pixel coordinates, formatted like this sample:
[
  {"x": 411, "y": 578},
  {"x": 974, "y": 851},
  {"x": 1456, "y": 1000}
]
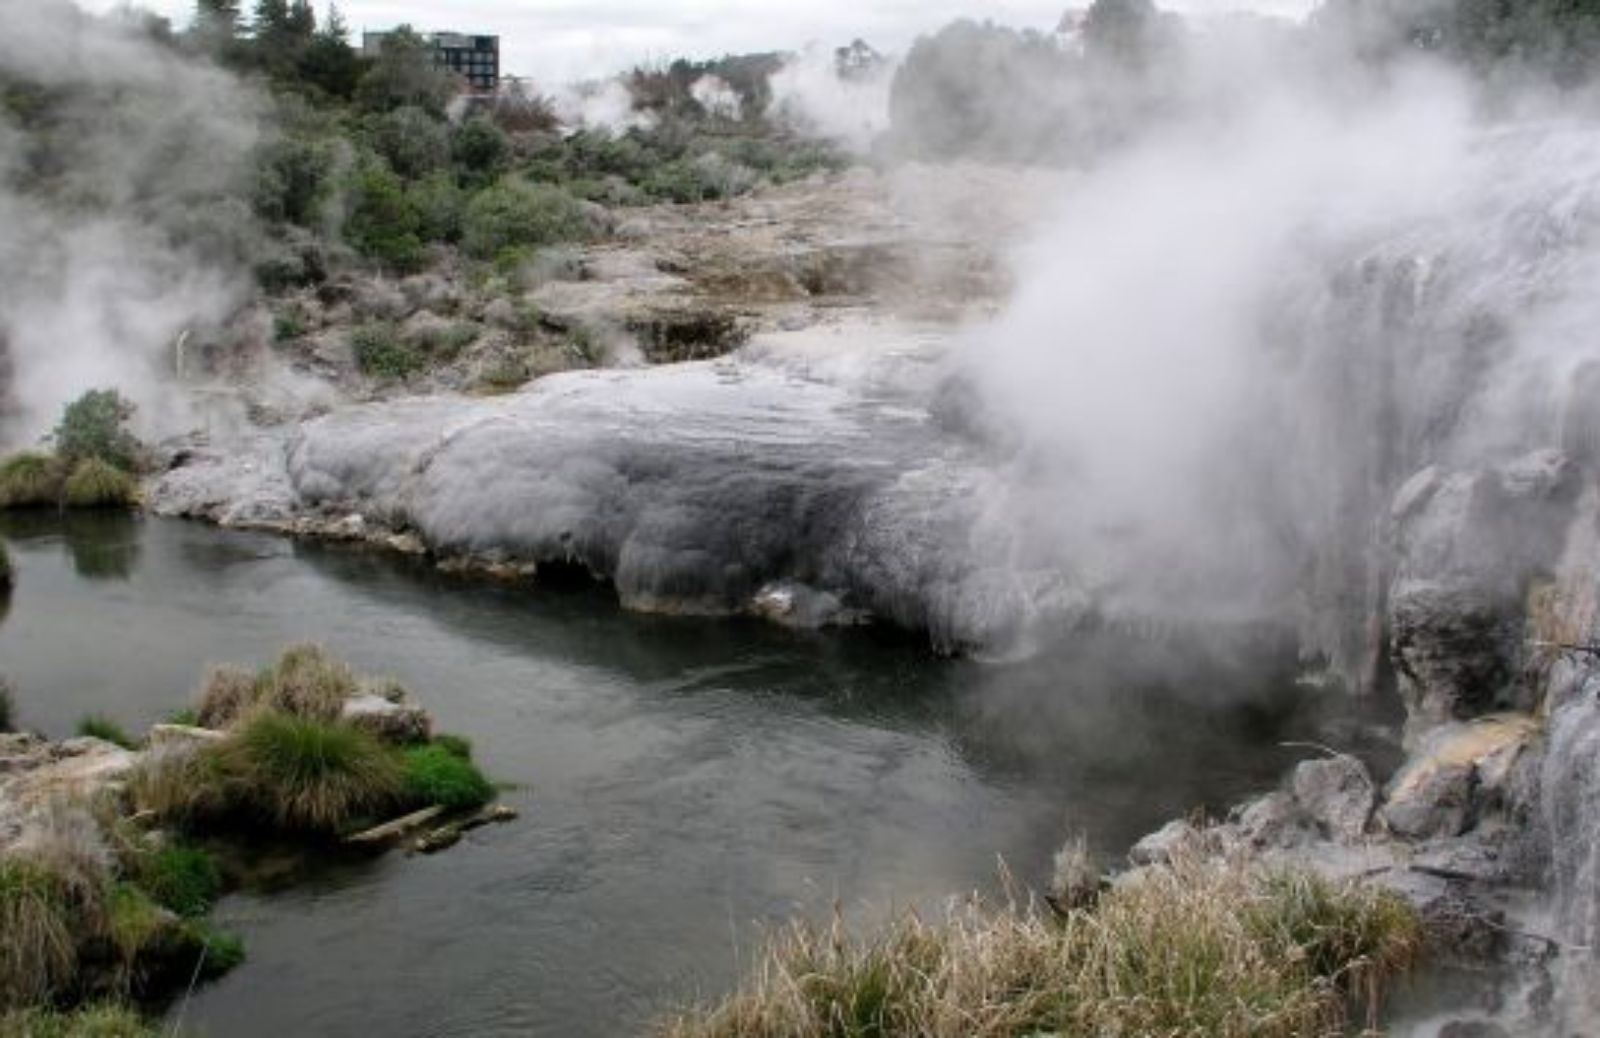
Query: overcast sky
[{"x": 556, "y": 41}]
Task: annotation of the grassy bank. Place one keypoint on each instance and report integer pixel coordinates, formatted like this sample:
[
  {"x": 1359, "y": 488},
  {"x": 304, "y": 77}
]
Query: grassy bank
[{"x": 1198, "y": 948}]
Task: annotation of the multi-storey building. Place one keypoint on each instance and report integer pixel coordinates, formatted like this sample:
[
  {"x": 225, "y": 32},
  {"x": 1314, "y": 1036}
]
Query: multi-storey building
[{"x": 474, "y": 58}]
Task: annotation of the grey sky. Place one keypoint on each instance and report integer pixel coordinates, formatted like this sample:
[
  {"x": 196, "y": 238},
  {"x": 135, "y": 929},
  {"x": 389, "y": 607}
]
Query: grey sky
[{"x": 559, "y": 40}]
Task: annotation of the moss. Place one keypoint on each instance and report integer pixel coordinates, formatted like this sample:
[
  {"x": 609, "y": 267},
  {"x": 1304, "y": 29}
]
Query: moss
[
  {"x": 436, "y": 775},
  {"x": 223, "y": 951},
  {"x": 30, "y": 480},
  {"x": 107, "y": 1021},
  {"x": 182, "y": 878},
  {"x": 99, "y": 726},
  {"x": 99, "y": 484},
  {"x": 134, "y": 923},
  {"x": 455, "y": 745}
]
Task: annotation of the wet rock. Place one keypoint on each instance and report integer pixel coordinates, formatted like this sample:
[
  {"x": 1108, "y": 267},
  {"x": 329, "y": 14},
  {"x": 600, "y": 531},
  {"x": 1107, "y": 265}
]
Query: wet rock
[
  {"x": 401, "y": 723},
  {"x": 1337, "y": 796}
]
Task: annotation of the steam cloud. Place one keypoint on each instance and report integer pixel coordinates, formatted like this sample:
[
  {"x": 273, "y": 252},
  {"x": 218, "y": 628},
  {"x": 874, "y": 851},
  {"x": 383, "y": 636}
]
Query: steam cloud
[{"x": 117, "y": 234}]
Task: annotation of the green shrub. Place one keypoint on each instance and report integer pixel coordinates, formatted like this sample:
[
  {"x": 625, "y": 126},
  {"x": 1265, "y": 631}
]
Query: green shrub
[
  {"x": 446, "y": 343},
  {"x": 107, "y": 1021},
  {"x": 515, "y": 214},
  {"x": 99, "y": 726},
  {"x": 440, "y": 206},
  {"x": 381, "y": 352},
  {"x": 182, "y": 878},
  {"x": 287, "y": 327},
  {"x": 381, "y": 222},
  {"x": 414, "y": 142},
  {"x": 134, "y": 923},
  {"x": 480, "y": 147},
  {"x": 436, "y": 775},
  {"x": 311, "y": 776},
  {"x": 98, "y": 484},
  {"x": 455, "y": 745},
  {"x": 95, "y": 426},
  {"x": 30, "y": 480},
  {"x": 223, "y": 951},
  {"x": 188, "y": 717}
]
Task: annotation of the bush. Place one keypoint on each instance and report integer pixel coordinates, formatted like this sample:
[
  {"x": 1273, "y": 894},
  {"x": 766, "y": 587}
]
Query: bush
[
  {"x": 306, "y": 683},
  {"x": 95, "y": 426},
  {"x": 97, "y": 484},
  {"x": 184, "y": 879},
  {"x": 480, "y": 147},
  {"x": 381, "y": 353},
  {"x": 436, "y": 775},
  {"x": 439, "y": 205},
  {"x": 1198, "y": 948},
  {"x": 414, "y": 142},
  {"x": 30, "y": 480},
  {"x": 455, "y": 745},
  {"x": 516, "y": 214},
  {"x": 381, "y": 222},
  {"x": 311, "y": 776},
  {"x": 98, "y": 726}
]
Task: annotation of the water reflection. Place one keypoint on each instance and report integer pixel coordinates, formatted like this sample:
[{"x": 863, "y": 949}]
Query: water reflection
[{"x": 102, "y": 544}]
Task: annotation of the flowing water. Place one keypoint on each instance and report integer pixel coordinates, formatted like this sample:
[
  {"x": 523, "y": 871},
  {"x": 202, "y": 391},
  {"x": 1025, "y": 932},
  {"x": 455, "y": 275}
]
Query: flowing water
[{"x": 682, "y": 782}]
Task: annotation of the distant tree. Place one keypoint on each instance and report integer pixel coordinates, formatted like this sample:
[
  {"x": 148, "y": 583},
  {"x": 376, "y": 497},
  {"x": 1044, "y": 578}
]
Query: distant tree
[
  {"x": 414, "y": 142},
  {"x": 860, "y": 60},
  {"x": 215, "y": 29},
  {"x": 405, "y": 73},
  {"x": 95, "y": 426},
  {"x": 480, "y": 148},
  {"x": 381, "y": 222},
  {"x": 328, "y": 62},
  {"x": 1122, "y": 32}
]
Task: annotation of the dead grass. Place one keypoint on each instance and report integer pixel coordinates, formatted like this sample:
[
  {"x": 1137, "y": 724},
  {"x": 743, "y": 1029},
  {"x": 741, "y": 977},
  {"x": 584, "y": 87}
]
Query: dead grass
[
  {"x": 306, "y": 682},
  {"x": 1198, "y": 948}
]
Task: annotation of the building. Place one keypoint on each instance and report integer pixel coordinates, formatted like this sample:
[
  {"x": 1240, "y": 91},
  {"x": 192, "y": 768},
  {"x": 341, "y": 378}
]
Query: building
[{"x": 474, "y": 58}]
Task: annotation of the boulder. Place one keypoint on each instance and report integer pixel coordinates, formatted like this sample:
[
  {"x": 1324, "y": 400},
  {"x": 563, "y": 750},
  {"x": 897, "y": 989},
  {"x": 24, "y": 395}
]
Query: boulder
[
  {"x": 388, "y": 720},
  {"x": 1170, "y": 841},
  {"x": 1337, "y": 795},
  {"x": 1431, "y": 800}
]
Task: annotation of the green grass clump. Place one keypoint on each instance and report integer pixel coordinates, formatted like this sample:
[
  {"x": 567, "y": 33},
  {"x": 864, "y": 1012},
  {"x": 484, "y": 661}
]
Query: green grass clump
[
  {"x": 98, "y": 484},
  {"x": 223, "y": 951},
  {"x": 38, "y": 953},
  {"x": 1197, "y": 948},
  {"x": 184, "y": 879},
  {"x": 311, "y": 776},
  {"x": 381, "y": 352},
  {"x": 455, "y": 745},
  {"x": 188, "y": 717},
  {"x": 30, "y": 480},
  {"x": 99, "y": 726},
  {"x": 107, "y": 1021},
  {"x": 436, "y": 775}
]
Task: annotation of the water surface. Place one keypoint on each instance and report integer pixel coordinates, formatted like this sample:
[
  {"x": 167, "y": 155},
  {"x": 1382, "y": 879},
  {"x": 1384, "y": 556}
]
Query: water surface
[{"x": 682, "y": 783}]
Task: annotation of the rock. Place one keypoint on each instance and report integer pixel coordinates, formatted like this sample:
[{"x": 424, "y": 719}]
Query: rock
[
  {"x": 1473, "y": 1029},
  {"x": 1274, "y": 820},
  {"x": 389, "y": 721},
  {"x": 1432, "y": 800},
  {"x": 1459, "y": 772},
  {"x": 1337, "y": 795},
  {"x": 163, "y": 736},
  {"x": 397, "y": 828},
  {"x": 438, "y": 840},
  {"x": 1172, "y": 840}
]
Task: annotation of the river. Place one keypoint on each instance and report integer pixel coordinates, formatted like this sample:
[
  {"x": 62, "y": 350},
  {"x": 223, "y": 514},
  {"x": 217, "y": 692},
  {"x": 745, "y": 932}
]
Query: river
[{"x": 682, "y": 783}]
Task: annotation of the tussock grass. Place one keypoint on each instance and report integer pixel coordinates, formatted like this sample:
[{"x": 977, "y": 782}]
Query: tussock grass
[
  {"x": 108, "y": 1021},
  {"x": 39, "y": 952},
  {"x": 306, "y": 682},
  {"x": 98, "y": 484},
  {"x": 182, "y": 786},
  {"x": 30, "y": 480},
  {"x": 436, "y": 774},
  {"x": 311, "y": 776},
  {"x": 99, "y": 726},
  {"x": 182, "y": 878},
  {"x": 1197, "y": 948}
]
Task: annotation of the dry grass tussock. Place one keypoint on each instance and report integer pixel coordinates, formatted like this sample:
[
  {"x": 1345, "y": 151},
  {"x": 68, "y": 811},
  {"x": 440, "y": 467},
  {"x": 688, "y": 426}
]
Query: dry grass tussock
[
  {"x": 53, "y": 888},
  {"x": 306, "y": 682},
  {"x": 1198, "y": 948}
]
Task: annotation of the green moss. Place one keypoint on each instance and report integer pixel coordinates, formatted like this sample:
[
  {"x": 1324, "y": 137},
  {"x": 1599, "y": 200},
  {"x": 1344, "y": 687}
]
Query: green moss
[
  {"x": 184, "y": 879},
  {"x": 223, "y": 951},
  {"x": 436, "y": 775},
  {"x": 99, "y": 726},
  {"x": 455, "y": 745},
  {"x": 99, "y": 484},
  {"x": 30, "y": 480}
]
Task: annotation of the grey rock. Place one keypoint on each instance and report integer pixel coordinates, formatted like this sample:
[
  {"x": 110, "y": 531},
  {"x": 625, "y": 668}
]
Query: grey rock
[
  {"x": 1337, "y": 796},
  {"x": 1271, "y": 821},
  {"x": 388, "y": 720},
  {"x": 1435, "y": 802},
  {"x": 1170, "y": 841}
]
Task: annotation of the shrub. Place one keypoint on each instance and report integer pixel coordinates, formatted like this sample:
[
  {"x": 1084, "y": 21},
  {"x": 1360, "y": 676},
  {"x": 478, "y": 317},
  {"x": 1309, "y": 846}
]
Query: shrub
[
  {"x": 310, "y": 776},
  {"x": 413, "y": 142},
  {"x": 515, "y": 214},
  {"x": 439, "y": 205},
  {"x": 95, "y": 426},
  {"x": 381, "y": 352},
  {"x": 436, "y": 775},
  {"x": 30, "y": 480},
  {"x": 1198, "y": 948},
  {"x": 224, "y": 697},
  {"x": 98, "y": 484},
  {"x": 99, "y": 726},
  {"x": 381, "y": 223},
  {"x": 182, "y": 878},
  {"x": 480, "y": 147},
  {"x": 455, "y": 745}
]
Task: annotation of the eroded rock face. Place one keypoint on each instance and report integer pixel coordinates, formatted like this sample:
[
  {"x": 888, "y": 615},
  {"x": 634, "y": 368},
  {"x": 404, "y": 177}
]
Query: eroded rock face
[{"x": 1336, "y": 795}]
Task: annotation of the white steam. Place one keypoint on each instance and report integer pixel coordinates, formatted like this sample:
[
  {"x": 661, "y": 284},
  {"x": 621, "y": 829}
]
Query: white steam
[
  {"x": 809, "y": 94},
  {"x": 603, "y": 105},
  {"x": 117, "y": 236}
]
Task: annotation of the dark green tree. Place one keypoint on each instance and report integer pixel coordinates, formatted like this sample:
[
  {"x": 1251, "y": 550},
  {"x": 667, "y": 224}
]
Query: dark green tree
[
  {"x": 405, "y": 73},
  {"x": 328, "y": 62}
]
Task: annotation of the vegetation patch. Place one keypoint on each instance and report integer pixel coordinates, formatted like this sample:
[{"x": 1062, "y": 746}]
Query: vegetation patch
[
  {"x": 181, "y": 878},
  {"x": 1197, "y": 948},
  {"x": 98, "y": 484},
  {"x": 94, "y": 426},
  {"x": 38, "y": 954},
  {"x": 99, "y": 726},
  {"x": 8, "y": 575},
  {"x": 8, "y": 706},
  {"x": 305, "y": 682},
  {"x": 381, "y": 352},
  {"x": 30, "y": 480},
  {"x": 104, "y": 1021},
  {"x": 437, "y": 774}
]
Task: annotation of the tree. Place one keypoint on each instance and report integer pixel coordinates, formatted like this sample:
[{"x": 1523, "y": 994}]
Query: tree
[
  {"x": 480, "y": 148},
  {"x": 1120, "y": 31},
  {"x": 215, "y": 30},
  {"x": 414, "y": 142},
  {"x": 328, "y": 62},
  {"x": 405, "y": 73},
  {"x": 95, "y": 426}
]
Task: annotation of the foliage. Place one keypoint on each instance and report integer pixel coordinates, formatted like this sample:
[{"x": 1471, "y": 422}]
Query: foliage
[
  {"x": 103, "y": 1021},
  {"x": 440, "y": 207},
  {"x": 382, "y": 223},
  {"x": 182, "y": 878},
  {"x": 293, "y": 179},
  {"x": 455, "y": 745},
  {"x": 405, "y": 74},
  {"x": 98, "y": 484},
  {"x": 95, "y": 426},
  {"x": 480, "y": 148},
  {"x": 30, "y": 480},
  {"x": 99, "y": 726},
  {"x": 7, "y": 578},
  {"x": 516, "y": 214},
  {"x": 39, "y": 952},
  {"x": 381, "y": 353},
  {"x": 436, "y": 775},
  {"x": 1195, "y": 948},
  {"x": 310, "y": 776},
  {"x": 413, "y": 142},
  {"x": 8, "y": 706},
  {"x": 305, "y": 682}
]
